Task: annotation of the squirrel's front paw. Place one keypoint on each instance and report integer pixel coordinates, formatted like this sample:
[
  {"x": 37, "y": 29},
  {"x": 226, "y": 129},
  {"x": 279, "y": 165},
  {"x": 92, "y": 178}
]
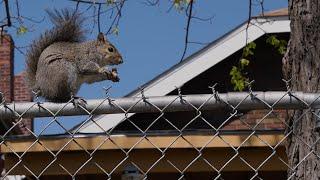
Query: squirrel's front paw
[
  {"x": 114, "y": 75},
  {"x": 111, "y": 75},
  {"x": 103, "y": 71}
]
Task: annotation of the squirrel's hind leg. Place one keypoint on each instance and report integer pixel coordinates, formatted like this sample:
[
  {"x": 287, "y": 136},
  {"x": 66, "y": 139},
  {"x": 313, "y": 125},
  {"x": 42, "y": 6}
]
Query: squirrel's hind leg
[{"x": 58, "y": 81}]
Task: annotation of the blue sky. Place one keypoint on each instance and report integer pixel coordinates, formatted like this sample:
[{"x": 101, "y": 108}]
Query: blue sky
[{"x": 151, "y": 39}]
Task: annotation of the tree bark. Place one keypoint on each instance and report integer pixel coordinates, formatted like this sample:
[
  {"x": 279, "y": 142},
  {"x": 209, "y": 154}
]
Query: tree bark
[{"x": 302, "y": 64}]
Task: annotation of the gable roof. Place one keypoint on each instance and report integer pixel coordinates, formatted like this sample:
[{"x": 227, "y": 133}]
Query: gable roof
[
  {"x": 278, "y": 12},
  {"x": 179, "y": 74}
]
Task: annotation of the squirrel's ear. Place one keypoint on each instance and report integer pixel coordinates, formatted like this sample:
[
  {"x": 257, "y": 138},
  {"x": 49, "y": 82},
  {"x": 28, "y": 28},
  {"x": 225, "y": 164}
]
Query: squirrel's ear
[{"x": 101, "y": 38}]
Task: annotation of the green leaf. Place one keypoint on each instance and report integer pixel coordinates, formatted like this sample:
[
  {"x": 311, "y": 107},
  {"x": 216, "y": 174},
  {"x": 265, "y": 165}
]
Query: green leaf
[
  {"x": 233, "y": 71},
  {"x": 280, "y": 45},
  {"x": 177, "y": 3},
  {"x": 240, "y": 86},
  {"x": 237, "y": 79},
  {"x": 110, "y": 2},
  {"x": 22, "y": 30},
  {"x": 282, "y": 50},
  {"x": 187, "y": 2},
  {"x": 273, "y": 40},
  {"x": 248, "y": 49},
  {"x": 244, "y": 62},
  {"x": 115, "y": 31},
  {"x": 180, "y": 4}
]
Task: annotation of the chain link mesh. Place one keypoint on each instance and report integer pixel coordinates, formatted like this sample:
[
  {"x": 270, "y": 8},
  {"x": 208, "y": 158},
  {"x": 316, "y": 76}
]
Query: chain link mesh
[{"x": 246, "y": 135}]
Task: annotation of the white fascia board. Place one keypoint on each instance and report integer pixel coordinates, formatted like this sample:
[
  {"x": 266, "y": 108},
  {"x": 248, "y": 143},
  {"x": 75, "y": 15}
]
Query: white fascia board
[
  {"x": 280, "y": 25},
  {"x": 200, "y": 63}
]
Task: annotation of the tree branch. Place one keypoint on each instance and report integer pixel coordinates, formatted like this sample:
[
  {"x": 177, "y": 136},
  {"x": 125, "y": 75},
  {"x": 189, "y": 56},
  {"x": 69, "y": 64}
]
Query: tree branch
[{"x": 6, "y": 3}]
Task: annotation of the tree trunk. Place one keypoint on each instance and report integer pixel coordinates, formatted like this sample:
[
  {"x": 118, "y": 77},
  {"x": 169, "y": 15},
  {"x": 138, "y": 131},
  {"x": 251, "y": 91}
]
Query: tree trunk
[{"x": 302, "y": 64}]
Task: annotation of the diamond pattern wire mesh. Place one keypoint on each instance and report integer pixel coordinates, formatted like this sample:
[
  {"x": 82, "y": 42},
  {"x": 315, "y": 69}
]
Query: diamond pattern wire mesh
[{"x": 246, "y": 134}]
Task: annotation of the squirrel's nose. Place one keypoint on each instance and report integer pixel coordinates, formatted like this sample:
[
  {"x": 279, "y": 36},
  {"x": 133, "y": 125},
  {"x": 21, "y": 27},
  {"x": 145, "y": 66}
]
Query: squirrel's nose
[{"x": 120, "y": 60}]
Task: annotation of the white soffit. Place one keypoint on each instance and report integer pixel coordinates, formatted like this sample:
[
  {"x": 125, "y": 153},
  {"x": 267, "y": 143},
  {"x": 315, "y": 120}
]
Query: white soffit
[{"x": 195, "y": 65}]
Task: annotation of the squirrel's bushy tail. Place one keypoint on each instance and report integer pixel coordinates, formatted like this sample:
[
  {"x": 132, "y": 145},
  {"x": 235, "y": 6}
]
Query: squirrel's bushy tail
[{"x": 67, "y": 28}]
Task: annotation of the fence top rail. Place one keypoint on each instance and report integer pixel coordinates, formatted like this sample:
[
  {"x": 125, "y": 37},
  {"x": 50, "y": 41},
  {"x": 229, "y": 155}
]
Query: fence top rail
[{"x": 172, "y": 103}]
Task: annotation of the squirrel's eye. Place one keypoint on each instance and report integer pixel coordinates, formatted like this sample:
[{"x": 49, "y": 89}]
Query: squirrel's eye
[{"x": 110, "y": 49}]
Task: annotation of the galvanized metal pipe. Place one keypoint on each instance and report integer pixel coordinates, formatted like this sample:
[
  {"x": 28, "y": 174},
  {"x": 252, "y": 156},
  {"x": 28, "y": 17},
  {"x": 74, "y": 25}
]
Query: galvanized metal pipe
[{"x": 173, "y": 103}]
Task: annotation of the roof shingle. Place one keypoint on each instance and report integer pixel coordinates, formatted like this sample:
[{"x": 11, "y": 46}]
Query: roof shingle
[{"x": 278, "y": 12}]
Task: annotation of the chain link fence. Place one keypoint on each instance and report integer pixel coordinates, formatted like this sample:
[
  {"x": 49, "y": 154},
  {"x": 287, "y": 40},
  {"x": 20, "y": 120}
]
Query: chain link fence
[{"x": 210, "y": 136}]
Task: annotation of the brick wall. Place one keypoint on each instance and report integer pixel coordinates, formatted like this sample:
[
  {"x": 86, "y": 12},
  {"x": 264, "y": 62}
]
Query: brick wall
[
  {"x": 6, "y": 67},
  {"x": 259, "y": 120},
  {"x": 13, "y": 86},
  {"x": 21, "y": 92}
]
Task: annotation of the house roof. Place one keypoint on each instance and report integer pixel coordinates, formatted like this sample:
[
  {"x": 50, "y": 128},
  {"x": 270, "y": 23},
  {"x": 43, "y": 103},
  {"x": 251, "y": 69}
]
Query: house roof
[
  {"x": 278, "y": 12},
  {"x": 179, "y": 74}
]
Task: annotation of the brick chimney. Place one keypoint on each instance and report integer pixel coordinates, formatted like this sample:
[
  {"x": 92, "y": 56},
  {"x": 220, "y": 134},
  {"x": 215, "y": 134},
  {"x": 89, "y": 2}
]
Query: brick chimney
[
  {"x": 6, "y": 67},
  {"x": 13, "y": 87}
]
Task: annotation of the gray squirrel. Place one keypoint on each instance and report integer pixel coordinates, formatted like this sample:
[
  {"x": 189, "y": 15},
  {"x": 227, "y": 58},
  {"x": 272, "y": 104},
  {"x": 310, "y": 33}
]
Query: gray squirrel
[{"x": 60, "y": 61}]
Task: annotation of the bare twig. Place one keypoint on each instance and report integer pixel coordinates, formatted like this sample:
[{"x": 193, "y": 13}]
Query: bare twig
[
  {"x": 249, "y": 20},
  {"x": 116, "y": 19},
  {"x": 19, "y": 49},
  {"x": 77, "y": 7},
  {"x": 18, "y": 9},
  {"x": 33, "y": 20},
  {"x": 169, "y": 9},
  {"x": 199, "y": 43},
  {"x": 94, "y": 20},
  {"x": 151, "y": 3},
  {"x": 88, "y": 2},
  {"x": 6, "y": 3},
  {"x": 262, "y": 7},
  {"x": 99, "y": 9},
  {"x": 203, "y": 19},
  {"x": 103, "y": 12},
  {"x": 190, "y": 5}
]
